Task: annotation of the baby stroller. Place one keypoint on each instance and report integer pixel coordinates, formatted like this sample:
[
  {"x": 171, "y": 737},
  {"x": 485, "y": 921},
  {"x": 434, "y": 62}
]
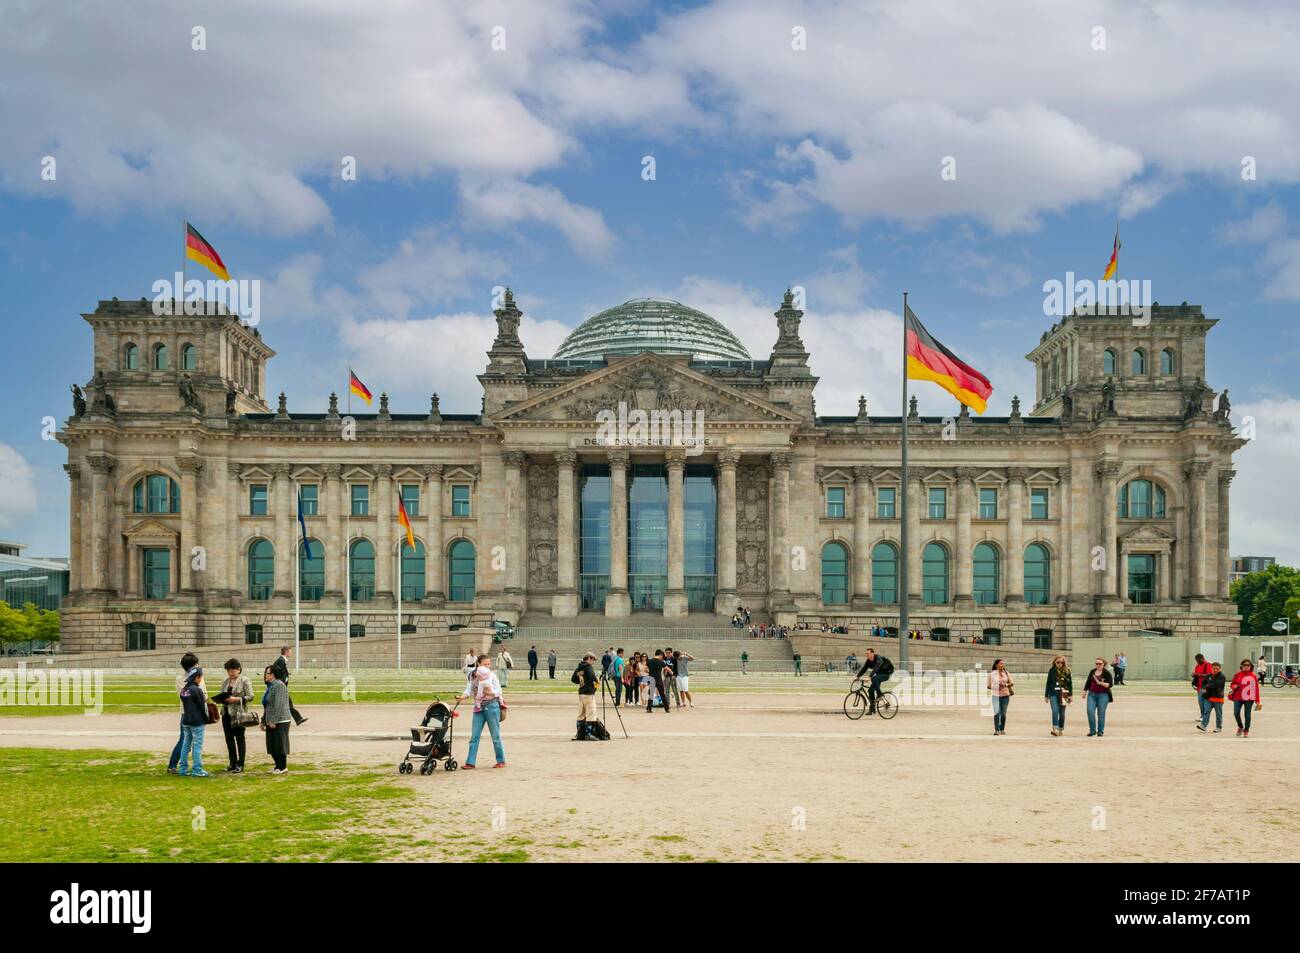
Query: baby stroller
[{"x": 431, "y": 740}]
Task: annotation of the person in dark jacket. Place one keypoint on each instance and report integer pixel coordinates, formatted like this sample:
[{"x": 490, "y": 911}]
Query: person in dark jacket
[
  {"x": 194, "y": 722},
  {"x": 551, "y": 661},
  {"x": 275, "y": 720},
  {"x": 236, "y": 693},
  {"x": 1059, "y": 690},
  {"x": 532, "y": 664},
  {"x": 1213, "y": 689},
  {"x": 1097, "y": 688},
  {"x": 584, "y": 676},
  {"x": 188, "y": 662},
  {"x": 1199, "y": 673},
  {"x": 281, "y": 668},
  {"x": 656, "y": 668},
  {"x": 879, "y": 667}
]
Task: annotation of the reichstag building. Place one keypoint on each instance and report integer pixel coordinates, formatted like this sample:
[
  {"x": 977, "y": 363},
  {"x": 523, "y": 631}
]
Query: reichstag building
[{"x": 1102, "y": 510}]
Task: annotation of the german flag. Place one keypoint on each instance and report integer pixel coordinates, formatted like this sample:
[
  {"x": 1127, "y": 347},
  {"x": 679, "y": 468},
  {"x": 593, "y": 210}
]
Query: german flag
[
  {"x": 928, "y": 360},
  {"x": 356, "y": 387},
  {"x": 406, "y": 522},
  {"x": 198, "y": 249},
  {"x": 1112, "y": 266}
]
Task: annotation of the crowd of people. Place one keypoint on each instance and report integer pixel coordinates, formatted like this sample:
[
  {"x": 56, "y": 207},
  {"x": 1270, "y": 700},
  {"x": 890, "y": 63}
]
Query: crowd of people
[{"x": 199, "y": 709}]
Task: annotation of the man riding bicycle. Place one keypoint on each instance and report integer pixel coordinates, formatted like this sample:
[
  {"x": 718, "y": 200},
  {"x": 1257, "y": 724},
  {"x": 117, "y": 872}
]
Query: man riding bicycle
[{"x": 880, "y": 669}]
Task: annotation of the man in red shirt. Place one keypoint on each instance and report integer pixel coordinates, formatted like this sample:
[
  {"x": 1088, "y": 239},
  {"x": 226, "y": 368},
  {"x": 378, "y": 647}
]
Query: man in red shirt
[{"x": 1199, "y": 673}]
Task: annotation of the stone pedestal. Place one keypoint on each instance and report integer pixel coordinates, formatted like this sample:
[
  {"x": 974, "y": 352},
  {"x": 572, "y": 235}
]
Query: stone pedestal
[
  {"x": 675, "y": 604},
  {"x": 618, "y": 604}
]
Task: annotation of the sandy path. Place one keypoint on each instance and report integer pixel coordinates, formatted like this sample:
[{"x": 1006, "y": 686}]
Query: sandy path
[{"x": 739, "y": 778}]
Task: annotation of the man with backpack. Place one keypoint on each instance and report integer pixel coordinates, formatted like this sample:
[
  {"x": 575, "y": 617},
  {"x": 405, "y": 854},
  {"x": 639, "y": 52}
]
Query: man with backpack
[
  {"x": 880, "y": 668},
  {"x": 584, "y": 676}
]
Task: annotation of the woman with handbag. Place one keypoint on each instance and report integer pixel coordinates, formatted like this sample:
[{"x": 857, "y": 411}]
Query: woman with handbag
[
  {"x": 1001, "y": 688},
  {"x": 1060, "y": 688},
  {"x": 236, "y": 693},
  {"x": 275, "y": 720}
]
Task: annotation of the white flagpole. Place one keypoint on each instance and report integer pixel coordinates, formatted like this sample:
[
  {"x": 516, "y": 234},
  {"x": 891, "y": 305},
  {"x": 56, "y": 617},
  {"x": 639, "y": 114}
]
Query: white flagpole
[
  {"x": 399, "y": 606},
  {"x": 347, "y": 589},
  {"x": 297, "y": 588}
]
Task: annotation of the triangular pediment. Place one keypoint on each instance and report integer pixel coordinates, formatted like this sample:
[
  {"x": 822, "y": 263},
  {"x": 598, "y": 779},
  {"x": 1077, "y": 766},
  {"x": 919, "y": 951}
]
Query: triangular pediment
[
  {"x": 650, "y": 383},
  {"x": 1146, "y": 533},
  {"x": 151, "y": 531}
]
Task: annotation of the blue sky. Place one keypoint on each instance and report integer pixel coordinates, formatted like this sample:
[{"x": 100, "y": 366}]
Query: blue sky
[{"x": 480, "y": 167}]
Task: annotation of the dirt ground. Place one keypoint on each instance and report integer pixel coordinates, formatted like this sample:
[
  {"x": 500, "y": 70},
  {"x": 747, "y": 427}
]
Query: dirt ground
[{"x": 754, "y": 777}]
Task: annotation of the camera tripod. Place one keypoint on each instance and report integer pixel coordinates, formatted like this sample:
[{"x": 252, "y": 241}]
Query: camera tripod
[{"x": 607, "y": 692}]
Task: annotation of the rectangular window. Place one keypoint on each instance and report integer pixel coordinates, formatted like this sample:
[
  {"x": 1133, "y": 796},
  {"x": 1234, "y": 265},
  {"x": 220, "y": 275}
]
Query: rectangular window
[
  {"x": 257, "y": 499},
  {"x": 1141, "y": 579},
  {"x": 988, "y": 504},
  {"x": 309, "y": 494},
  {"x": 835, "y": 502},
  {"x": 1038, "y": 503},
  {"x": 360, "y": 500},
  {"x": 252, "y": 635},
  {"x": 460, "y": 499},
  {"x": 411, "y": 498},
  {"x": 157, "y": 573},
  {"x": 886, "y": 497},
  {"x": 938, "y": 503},
  {"x": 140, "y": 637}
]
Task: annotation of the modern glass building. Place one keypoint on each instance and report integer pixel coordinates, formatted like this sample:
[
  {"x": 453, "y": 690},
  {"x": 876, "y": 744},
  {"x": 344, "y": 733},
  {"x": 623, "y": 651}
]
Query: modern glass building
[{"x": 42, "y": 582}]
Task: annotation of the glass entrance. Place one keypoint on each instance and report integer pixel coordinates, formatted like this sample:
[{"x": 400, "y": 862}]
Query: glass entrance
[
  {"x": 593, "y": 539},
  {"x": 647, "y": 536},
  {"x": 701, "y": 505}
]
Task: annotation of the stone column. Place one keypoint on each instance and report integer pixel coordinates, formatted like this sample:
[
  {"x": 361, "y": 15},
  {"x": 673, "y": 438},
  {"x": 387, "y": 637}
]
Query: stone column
[
  {"x": 965, "y": 560},
  {"x": 565, "y": 601},
  {"x": 913, "y": 556},
  {"x": 780, "y": 534},
  {"x": 73, "y": 470},
  {"x": 726, "y": 600},
  {"x": 332, "y": 500},
  {"x": 862, "y": 499},
  {"x": 515, "y": 552},
  {"x": 435, "y": 592},
  {"x": 385, "y": 543},
  {"x": 1013, "y": 583},
  {"x": 675, "y": 602},
  {"x": 618, "y": 602},
  {"x": 190, "y": 466},
  {"x": 235, "y": 495},
  {"x": 1225, "y": 555},
  {"x": 133, "y": 584},
  {"x": 101, "y": 465},
  {"x": 1162, "y": 581},
  {"x": 1107, "y": 472},
  {"x": 286, "y": 556},
  {"x": 1196, "y": 472}
]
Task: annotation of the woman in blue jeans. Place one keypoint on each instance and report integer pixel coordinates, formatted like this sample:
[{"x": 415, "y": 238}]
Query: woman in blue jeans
[
  {"x": 484, "y": 686},
  {"x": 1097, "y": 688},
  {"x": 1060, "y": 686},
  {"x": 194, "y": 721}
]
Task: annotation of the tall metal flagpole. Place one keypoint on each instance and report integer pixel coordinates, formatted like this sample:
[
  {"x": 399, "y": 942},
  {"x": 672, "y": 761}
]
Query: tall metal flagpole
[
  {"x": 185, "y": 246},
  {"x": 399, "y": 606},
  {"x": 347, "y": 561},
  {"x": 297, "y": 585},
  {"x": 904, "y": 557}
]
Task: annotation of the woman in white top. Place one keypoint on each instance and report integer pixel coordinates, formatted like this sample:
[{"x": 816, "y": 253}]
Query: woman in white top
[
  {"x": 1001, "y": 688},
  {"x": 485, "y": 687}
]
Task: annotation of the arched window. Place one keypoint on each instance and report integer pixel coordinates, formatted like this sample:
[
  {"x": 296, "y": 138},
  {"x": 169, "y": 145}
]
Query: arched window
[
  {"x": 1167, "y": 361},
  {"x": 1108, "y": 362},
  {"x": 986, "y": 575},
  {"x": 156, "y": 493},
  {"x": 884, "y": 574},
  {"x": 189, "y": 358},
  {"x": 311, "y": 570},
  {"x": 1141, "y": 500},
  {"x": 992, "y": 636},
  {"x": 261, "y": 570},
  {"x": 934, "y": 574},
  {"x": 361, "y": 562},
  {"x": 835, "y": 574},
  {"x": 460, "y": 571},
  {"x": 131, "y": 361},
  {"x": 140, "y": 637},
  {"x": 160, "y": 357},
  {"x": 1138, "y": 364},
  {"x": 412, "y": 572},
  {"x": 1038, "y": 574}
]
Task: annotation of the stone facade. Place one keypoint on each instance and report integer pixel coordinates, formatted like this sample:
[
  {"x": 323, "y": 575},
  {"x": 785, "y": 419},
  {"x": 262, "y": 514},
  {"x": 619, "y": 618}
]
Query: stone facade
[{"x": 183, "y": 456}]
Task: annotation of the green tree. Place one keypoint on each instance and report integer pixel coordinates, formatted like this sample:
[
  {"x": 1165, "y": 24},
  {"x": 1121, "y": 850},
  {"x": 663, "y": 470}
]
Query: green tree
[
  {"x": 1263, "y": 597},
  {"x": 14, "y": 625},
  {"x": 42, "y": 623}
]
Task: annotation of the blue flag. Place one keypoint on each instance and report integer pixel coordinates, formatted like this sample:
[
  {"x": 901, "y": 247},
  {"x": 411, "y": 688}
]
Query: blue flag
[{"x": 306, "y": 543}]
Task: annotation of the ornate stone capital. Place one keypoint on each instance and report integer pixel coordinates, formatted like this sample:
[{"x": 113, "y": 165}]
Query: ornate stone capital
[
  {"x": 618, "y": 459},
  {"x": 384, "y": 470},
  {"x": 675, "y": 459},
  {"x": 234, "y": 469},
  {"x": 1106, "y": 469},
  {"x": 101, "y": 463},
  {"x": 728, "y": 459},
  {"x": 73, "y": 470},
  {"x": 966, "y": 474},
  {"x": 863, "y": 474},
  {"x": 513, "y": 459},
  {"x": 780, "y": 461},
  {"x": 432, "y": 471},
  {"x": 1018, "y": 474},
  {"x": 1225, "y": 476},
  {"x": 333, "y": 471},
  {"x": 282, "y": 470},
  {"x": 566, "y": 458},
  {"x": 1196, "y": 469}
]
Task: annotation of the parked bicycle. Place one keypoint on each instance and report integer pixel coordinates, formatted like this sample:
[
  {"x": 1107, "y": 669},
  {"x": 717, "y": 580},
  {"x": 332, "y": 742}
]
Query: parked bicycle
[
  {"x": 857, "y": 702},
  {"x": 1285, "y": 678}
]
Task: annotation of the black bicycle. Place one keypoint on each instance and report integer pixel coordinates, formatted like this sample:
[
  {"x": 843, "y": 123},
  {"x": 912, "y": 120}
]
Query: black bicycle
[{"x": 857, "y": 702}]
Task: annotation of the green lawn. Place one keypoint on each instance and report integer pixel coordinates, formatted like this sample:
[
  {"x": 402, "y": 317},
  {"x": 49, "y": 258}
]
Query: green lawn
[{"x": 95, "y": 805}]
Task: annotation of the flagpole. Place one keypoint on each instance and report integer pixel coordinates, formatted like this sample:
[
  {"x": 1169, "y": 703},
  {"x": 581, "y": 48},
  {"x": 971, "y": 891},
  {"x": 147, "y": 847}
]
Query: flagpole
[
  {"x": 347, "y": 588},
  {"x": 904, "y": 555},
  {"x": 399, "y": 606},
  {"x": 297, "y": 588},
  {"x": 185, "y": 244}
]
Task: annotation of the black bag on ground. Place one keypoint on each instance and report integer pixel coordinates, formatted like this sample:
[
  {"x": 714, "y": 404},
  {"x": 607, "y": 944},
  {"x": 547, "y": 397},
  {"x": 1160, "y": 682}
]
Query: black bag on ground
[{"x": 596, "y": 731}]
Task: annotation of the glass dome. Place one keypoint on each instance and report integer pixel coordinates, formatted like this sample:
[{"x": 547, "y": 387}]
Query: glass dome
[{"x": 652, "y": 324}]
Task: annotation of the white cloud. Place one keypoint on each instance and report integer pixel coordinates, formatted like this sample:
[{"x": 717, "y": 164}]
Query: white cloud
[
  {"x": 1280, "y": 257},
  {"x": 1262, "y": 225},
  {"x": 18, "y": 501},
  {"x": 509, "y": 202},
  {"x": 1263, "y": 499}
]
